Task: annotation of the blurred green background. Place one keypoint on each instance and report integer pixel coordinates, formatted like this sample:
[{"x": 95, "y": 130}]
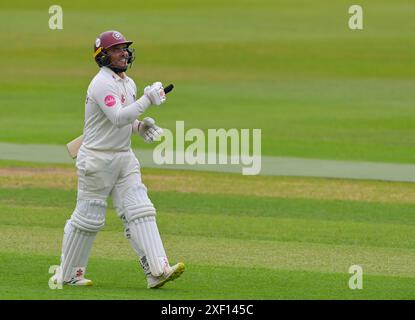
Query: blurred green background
[{"x": 291, "y": 68}]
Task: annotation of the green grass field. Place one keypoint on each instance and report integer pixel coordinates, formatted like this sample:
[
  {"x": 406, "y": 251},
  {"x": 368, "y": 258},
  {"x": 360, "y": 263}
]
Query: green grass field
[
  {"x": 284, "y": 244},
  {"x": 291, "y": 68}
]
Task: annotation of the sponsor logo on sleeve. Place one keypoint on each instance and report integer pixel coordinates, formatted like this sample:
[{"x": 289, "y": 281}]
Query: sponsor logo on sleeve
[{"x": 109, "y": 101}]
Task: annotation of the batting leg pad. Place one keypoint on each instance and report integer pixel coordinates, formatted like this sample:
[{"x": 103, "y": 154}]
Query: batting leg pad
[
  {"x": 79, "y": 234},
  {"x": 141, "y": 229}
]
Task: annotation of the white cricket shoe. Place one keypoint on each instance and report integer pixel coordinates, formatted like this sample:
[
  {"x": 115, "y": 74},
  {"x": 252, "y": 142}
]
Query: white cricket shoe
[
  {"x": 78, "y": 278},
  {"x": 56, "y": 279},
  {"x": 79, "y": 282},
  {"x": 169, "y": 275}
]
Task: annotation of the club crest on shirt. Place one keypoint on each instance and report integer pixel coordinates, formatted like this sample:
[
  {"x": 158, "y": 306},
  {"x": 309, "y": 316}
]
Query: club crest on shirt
[
  {"x": 109, "y": 101},
  {"x": 122, "y": 99}
]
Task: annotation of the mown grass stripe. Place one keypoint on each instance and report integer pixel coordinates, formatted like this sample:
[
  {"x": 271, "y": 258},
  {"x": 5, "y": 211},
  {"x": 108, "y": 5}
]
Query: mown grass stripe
[
  {"x": 32, "y": 176},
  {"x": 198, "y": 282},
  {"x": 235, "y": 227},
  {"x": 331, "y": 210},
  {"x": 220, "y": 251}
]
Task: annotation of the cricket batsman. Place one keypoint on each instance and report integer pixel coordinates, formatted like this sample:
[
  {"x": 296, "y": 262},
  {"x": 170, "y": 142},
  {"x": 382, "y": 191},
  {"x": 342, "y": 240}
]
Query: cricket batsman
[{"x": 106, "y": 166}]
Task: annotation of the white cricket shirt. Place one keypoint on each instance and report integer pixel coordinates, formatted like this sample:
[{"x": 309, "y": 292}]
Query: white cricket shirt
[{"x": 110, "y": 110}]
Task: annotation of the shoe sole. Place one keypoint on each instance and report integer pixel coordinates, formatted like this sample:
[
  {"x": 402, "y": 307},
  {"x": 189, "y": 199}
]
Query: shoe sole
[
  {"x": 77, "y": 284},
  {"x": 176, "y": 273}
]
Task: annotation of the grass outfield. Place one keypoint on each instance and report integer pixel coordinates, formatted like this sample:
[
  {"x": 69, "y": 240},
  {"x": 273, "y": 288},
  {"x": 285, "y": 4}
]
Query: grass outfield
[
  {"x": 237, "y": 243},
  {"x": 290, "y": 68}
]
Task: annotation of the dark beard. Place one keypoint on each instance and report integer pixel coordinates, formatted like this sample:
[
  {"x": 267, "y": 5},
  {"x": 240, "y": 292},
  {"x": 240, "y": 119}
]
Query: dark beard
[{"x": 118, "y": 70}]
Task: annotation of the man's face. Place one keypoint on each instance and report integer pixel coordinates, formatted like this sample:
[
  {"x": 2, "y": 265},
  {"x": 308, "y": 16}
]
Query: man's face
[{"x": 119, "y": 56}]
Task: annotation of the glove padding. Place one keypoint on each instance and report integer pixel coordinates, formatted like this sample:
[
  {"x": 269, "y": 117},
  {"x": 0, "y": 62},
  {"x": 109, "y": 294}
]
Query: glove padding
[
  {"x": 155, "y": 93},
  {"x": 148, "y": 130}
]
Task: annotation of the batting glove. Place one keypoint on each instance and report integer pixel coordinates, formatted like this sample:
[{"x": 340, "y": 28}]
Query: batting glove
[
  {"x": 148, "y": 130},
  {"x": 155, "y": 93}
]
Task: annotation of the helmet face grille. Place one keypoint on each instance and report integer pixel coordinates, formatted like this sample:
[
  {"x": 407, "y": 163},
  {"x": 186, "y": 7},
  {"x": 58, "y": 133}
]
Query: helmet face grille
[
  {"x": 103, "y": 59},
  {"x": 131, "y": 55}
]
